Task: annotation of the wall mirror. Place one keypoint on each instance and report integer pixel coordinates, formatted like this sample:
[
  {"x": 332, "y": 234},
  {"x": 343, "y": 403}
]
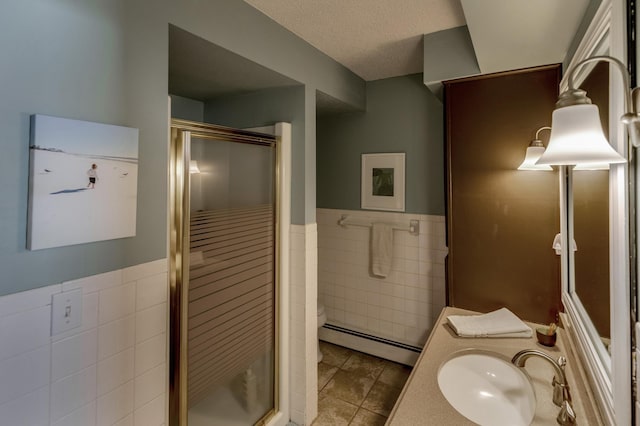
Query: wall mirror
[
  {"x": 594, "y": 214},
  {"x": 589, "y": 284}
]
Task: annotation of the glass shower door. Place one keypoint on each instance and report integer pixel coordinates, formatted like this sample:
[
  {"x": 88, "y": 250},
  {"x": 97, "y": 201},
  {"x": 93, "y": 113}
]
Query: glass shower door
[
  {"x": 229, "y": 326},
  {"x": 231, "y": 285}
]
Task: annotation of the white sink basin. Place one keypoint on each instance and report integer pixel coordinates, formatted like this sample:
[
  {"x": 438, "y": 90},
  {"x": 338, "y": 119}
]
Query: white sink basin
[{"x": 487, "y": 388}]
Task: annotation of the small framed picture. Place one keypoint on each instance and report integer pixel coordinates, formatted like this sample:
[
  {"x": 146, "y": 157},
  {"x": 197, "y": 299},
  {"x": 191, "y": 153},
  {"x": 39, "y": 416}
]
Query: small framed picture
[{"x": 382, "y": 184}]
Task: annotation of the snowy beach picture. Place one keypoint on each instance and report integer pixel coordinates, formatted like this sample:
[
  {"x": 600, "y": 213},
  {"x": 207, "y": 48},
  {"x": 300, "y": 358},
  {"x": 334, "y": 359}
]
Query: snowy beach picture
[{"x": 83, "y": 182}]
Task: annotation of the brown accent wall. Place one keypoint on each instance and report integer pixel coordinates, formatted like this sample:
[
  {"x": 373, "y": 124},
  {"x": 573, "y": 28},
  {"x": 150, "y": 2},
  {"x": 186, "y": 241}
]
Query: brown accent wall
[{"x": 500, "y": 221}]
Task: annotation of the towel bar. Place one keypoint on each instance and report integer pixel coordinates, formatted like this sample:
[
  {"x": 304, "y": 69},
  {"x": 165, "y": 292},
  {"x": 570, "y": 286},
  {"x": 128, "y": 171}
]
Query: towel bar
[{"x": 413, "y": 228}]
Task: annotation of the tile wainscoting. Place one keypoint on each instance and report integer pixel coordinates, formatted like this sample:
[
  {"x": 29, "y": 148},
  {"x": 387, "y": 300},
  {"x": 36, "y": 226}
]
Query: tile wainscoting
[
  {"x": 402, "y": 307},
  {"x": 304, "y": 324},
  {"x": 111, "y": 370}
]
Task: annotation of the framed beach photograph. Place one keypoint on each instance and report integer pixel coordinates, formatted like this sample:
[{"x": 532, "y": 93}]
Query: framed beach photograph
[
  {"x": 382, "y": 184},
  {"x": 83, "y": 182}
]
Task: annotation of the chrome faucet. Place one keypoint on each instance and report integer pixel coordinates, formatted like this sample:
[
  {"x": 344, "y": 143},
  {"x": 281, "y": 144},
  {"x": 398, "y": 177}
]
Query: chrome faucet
[{"x": 561, "y": 395}]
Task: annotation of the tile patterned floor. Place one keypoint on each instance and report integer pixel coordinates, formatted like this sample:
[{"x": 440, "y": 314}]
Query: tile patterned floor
[{"x": 355, "y": 388}]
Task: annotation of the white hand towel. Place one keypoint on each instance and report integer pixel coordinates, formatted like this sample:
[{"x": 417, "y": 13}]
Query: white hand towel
[
  {"x": 500, "y": 323},
  {"x": 381, "y": 249}
]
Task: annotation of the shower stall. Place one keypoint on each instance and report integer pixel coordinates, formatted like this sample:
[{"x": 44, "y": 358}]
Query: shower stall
[{"x": 225, "y": 270}]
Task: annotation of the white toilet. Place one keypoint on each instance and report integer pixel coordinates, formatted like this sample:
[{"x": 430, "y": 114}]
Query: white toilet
[{"x": 322, "y": 319}]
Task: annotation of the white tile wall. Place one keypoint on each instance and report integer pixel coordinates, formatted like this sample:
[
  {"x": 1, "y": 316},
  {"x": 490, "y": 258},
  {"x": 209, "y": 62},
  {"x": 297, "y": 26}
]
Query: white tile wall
[
  {"x": 109, "y": 371},
  {"x": 150, "y": 413},
  {"x": 115, "y": 405},
  {"x": 74, "y": 354},
  {"x": 116, "y": 336},
  {"x": 402, "y": 307},
  {"x": 24, "y": 373},
  {"x": 24, "y": 331},
  {"x": 115, "y": 371},
  {"x": 30, "y": 409},
  {"x": 84, "y": 416},
  {"x": 73, "y": 392},
  {"x": 304, "y": 320}
]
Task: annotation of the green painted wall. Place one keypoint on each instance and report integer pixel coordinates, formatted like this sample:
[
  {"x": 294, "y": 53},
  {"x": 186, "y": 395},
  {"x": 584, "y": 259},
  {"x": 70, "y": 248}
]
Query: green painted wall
[
  {"x": 187, "y": 109},
  {"x": 265, "y": 108},
  {"x": 106, "y": 61},
  {"x": 402, "y": 116},
  {"x": 448, "y": 54}
]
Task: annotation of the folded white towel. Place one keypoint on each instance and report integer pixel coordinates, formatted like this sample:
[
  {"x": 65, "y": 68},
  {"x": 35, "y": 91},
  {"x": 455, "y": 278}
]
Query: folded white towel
[
  {"x": 500, "y": 323},
  {"x": 381, "y": 249}
]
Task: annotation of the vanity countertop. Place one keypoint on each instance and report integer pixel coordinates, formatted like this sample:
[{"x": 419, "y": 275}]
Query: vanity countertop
[{"x": 421, "y": 401}]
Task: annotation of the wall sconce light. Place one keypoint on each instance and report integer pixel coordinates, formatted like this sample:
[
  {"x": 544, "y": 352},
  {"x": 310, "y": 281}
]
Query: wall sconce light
[
  {"x": 193, "y": 167},
  {"x": 576, "y": 135},
  {"x": 557, "y": 244},
  {"x": 534, "y": 151}
]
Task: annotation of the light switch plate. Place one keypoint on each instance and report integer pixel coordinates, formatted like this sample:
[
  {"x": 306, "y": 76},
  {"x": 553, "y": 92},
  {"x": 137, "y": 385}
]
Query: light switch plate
[{"x": 66, "y": 311}]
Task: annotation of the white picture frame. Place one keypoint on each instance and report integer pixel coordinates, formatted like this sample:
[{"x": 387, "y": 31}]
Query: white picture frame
[{"x": 383, "y": 181}]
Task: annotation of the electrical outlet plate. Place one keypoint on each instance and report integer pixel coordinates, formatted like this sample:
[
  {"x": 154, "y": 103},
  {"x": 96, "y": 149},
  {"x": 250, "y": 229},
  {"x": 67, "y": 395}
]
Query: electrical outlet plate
[{"x": 66, "y": 311}]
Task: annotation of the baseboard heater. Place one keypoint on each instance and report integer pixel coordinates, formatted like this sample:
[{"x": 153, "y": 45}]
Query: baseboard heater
[{"x": 367, "y": 343}]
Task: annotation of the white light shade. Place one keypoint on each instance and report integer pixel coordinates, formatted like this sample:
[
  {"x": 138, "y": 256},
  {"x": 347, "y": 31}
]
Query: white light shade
[
  {"x": 193, "y": 167},
  {"x": 557, "y": 244},
  {"x": 591, "y": 167},
  {"x": 577, "y": 138},
  {"x": 530, "y": 158}
]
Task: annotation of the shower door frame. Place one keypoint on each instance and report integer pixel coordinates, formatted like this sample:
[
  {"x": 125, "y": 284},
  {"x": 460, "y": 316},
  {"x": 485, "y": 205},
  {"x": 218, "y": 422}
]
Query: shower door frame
[{"x": 181, "y": 132}]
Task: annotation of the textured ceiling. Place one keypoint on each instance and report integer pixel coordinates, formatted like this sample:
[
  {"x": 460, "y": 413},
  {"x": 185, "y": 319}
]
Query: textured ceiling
[
  {"x": 383, "y": 38},
  {"x": 373, "y": 38}
]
